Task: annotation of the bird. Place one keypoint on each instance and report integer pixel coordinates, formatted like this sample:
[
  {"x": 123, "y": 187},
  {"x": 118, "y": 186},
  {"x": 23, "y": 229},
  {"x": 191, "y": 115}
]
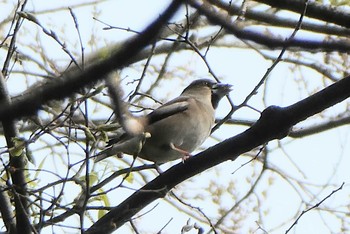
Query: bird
[{"x": 175, "y": 129}]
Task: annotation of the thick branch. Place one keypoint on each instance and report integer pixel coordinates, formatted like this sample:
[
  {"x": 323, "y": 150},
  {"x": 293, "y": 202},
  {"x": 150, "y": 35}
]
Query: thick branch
[
  {"x": 6, "y": 210},
  {"x": 72, "y": 81},
  {"x": 274, "y": 123},
  {"x": 314, "y": 10},
  {"x": 274, "y": 20},
  {"x": 17, "y": 164},
  {"x": 266, "y": 40}
]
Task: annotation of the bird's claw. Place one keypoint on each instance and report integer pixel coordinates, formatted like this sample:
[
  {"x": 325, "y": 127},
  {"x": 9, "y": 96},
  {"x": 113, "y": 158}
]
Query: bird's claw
[
  {"x": 186, "y": 154},
  {"x": 185, "y": 157}
]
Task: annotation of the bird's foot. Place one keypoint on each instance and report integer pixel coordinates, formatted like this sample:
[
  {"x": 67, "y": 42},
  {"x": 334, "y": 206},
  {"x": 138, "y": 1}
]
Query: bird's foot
[
  {"x": 185, "y": 157},
  {"x": 186, "y": 154}
]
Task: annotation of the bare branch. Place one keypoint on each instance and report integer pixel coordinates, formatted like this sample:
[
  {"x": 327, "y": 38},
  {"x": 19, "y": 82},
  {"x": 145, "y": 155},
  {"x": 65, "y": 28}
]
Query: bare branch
[
  {"x": 314, "y": 206},
  {"x": 74, "y": 80},
  {"x": 274, "y": 123}
]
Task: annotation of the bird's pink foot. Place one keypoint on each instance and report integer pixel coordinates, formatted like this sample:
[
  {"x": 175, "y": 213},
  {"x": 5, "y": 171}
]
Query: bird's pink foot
[
  {"x": 185, "y": 157},
  {"x": 186, "y": 154}
]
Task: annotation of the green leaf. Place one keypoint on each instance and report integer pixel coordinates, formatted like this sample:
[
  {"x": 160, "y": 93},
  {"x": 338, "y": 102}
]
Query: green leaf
[
  {"x": 88, "y": 134},
  {"x": 104, "y": 198}
]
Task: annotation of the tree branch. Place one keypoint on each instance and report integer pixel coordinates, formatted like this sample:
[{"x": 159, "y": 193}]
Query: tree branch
[
  {"x": 15, "y": 169},
  {"x": 274, "y": 20},
  {"x": 274, "y": 123},
  {"x": 75, "y": 79},
  {"x": 314, "y": 10},
  {"x": 269, "y": 41}
]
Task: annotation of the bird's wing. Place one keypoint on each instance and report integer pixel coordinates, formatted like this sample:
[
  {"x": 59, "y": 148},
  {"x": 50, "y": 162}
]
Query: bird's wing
[
  {"x": 124, "y": 142},
  {"x": 170, "y": 108}
]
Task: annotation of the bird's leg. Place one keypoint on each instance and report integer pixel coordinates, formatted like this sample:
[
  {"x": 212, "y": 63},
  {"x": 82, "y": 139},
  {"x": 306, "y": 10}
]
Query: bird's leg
[{"x": 186, "y": 154}]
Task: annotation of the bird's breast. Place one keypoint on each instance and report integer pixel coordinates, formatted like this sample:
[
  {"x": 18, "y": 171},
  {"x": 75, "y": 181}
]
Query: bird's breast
[{"x": 186, "y": 130}]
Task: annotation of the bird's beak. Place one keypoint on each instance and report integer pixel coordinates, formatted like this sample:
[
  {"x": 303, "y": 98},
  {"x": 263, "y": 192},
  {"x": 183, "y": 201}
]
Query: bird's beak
[{"x": 221, "y": 89}]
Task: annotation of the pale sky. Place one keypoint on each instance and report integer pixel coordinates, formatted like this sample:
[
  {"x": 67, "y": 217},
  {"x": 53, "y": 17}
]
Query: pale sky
[{"x": 323, "y": 158}]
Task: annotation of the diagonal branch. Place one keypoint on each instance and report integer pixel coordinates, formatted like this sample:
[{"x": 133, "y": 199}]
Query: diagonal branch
[
  {"x": 314, "y": 206},
  {"x": 315, "y": 10},
  {"x": 275, "y": 20},
  {"x": 218, "y": 18},
  {"x": 274, "y": 123},
  {"x": 75, "y": 79}
]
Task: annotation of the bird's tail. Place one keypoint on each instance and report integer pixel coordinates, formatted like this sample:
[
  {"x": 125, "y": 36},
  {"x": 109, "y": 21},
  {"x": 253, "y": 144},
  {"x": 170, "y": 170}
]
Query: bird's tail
[{"x": 131, "y": 146}]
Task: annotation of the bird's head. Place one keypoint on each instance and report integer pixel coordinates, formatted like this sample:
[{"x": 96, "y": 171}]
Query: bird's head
[{"x": 204, "y": 87}]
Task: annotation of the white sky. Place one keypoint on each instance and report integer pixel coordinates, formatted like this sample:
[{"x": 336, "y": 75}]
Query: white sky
[{"x": 317, "y": 156}]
